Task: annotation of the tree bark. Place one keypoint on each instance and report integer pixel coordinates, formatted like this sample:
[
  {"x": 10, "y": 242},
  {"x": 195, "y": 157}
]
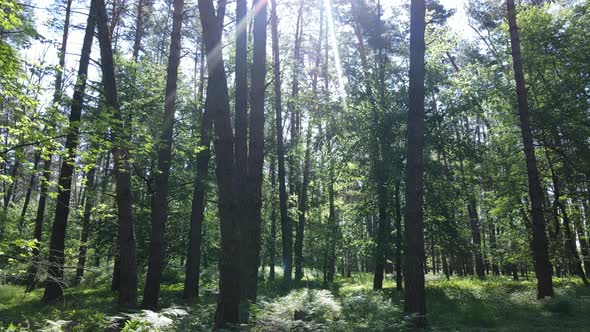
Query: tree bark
[
  {"x": 138, "y": 30},
  {"x": 228, "y": 303},
  {"x": 415, "y": 297},
  {"x": 252, "y": 226},
  {"x": 123, "y": 195},
  {"x": 88, "y": 205},
  {"x": 541, "y": 258},
  {"x": 46, "y": 172},
  {"x": 300, "y": 231},
  {"x": 193, "y": 261},
  {"x": 54, "y": 286},
  {"x": 273, "y": 217},
  {"x": 286, "y": 228},
  {"x": 151, "y": 292}
]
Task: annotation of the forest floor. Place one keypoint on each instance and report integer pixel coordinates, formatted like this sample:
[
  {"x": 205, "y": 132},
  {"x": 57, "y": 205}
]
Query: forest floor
[{"x": 459, "y": 304}]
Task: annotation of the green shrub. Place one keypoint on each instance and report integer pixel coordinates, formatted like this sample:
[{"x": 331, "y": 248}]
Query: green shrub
[{"x": 561, "y": 304}]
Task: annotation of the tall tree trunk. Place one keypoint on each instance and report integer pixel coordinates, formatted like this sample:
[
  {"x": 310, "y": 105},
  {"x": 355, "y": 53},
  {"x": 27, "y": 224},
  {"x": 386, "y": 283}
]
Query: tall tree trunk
[
  {"x": 138, "y": 30},
  {"x": 241, "y": 107},
  {"x": 415, "y": 297},
  {"x": 228, "y": 303},
  {"x": 476, "y": 235},
  {"x": 286, "y": 228},
  {"x": 299, "y": 234},
  {"x": 541, "y": 257},
  {"x": 572, "y": 257},
  {"x": 123, "y": 196},
  {"x": 332, "y": 225},
  {"x": 89, "y": 199},
  {"x": 241, "y": 151},
  {"x": 46, "y": 172},
  {"x": 151, "y": 292},
  {"x": 252, "y": 226},
  {"x": 193, "y": 261},
  {"x": 294, "y": 112},
  {"x": 54, "y": 286}
]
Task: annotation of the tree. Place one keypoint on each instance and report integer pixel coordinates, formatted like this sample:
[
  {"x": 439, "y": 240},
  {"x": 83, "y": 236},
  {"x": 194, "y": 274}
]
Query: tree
[
  {"x": 414, "y": 295},
  {"x": 46, "y": 170},
  {"x": 286, "y": 228},
  {"x": 160, "y": 201},
  {"x": 123, "y": 195},
  {"x": 251, "y": 229},
  {"x": 541, "y": 258},
  {"x": 217, "y": 101},
  {"x": 54, "y": 286}
]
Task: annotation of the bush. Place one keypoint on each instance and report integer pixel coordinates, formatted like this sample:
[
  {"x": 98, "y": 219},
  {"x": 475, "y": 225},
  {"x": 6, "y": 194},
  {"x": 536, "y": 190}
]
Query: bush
[{"x": 561, "y": 304}]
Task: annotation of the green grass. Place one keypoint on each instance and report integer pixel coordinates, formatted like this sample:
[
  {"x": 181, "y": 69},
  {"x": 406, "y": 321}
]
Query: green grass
[{"x": 350, "y": 304}]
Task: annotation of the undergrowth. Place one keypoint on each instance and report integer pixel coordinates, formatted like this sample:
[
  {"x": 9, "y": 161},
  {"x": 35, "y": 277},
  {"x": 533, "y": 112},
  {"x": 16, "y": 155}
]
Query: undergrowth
[{"x": 350, "y": 304}]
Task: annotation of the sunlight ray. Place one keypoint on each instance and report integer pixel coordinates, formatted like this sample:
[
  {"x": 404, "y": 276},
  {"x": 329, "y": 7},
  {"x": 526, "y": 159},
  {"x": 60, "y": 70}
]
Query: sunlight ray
[{"x": 336, "y": 52}]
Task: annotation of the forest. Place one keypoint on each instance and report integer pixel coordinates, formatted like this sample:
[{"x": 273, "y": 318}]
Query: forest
[{"x": 294, "y": 165}]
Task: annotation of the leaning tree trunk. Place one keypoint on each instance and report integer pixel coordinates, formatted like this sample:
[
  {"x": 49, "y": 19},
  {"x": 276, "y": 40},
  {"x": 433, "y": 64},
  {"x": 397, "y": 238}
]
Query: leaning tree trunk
[
  {"x": 54, "y": 286},
  {"x": 151, "y": 292},
  {"x": 541, "y": 257},
  {"x": 121, "y": 137},
  {"x": 415, "y": 297},
  {"x": 46, "y": 172},
  {"x": 193, "y": 260}
]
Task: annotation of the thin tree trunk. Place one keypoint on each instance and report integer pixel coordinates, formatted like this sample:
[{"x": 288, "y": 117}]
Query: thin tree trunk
[
  {"x": 493, "y": 247},
  {"x": 293, "y": 158},
  {"x": 89, "y": 199},
  {"x": 415, "y": 297},
  {"x": 286, "y": 228},
  {"x": 398, "y": 237},
  {"x": 273, "y": 216},
  {"x": 54, "y": 285},
  {"x": 151, "y": 292},
  {"x": 23, "y": 213},
  {"x": 541, "y": 257},
  {"x": 476, "y": 235},
  {"x": 299, "y": 234},
  {"x": 241, "y": 151},
  {"x": 123, "y": 195}
]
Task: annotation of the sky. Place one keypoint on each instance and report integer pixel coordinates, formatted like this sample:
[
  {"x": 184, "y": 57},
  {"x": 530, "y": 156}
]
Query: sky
[{"x": 78, "y": 19}]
